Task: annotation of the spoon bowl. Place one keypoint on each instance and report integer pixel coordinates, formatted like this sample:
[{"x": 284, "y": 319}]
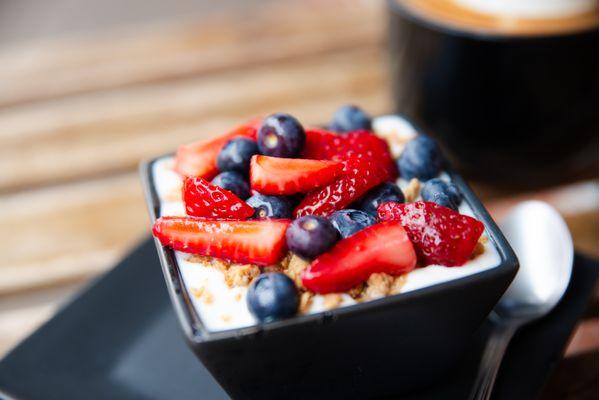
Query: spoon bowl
[{"x": 543, "y": 244}]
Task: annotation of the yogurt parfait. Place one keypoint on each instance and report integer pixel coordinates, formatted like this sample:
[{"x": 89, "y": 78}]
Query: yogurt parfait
[{"x": 276, "y": 219}]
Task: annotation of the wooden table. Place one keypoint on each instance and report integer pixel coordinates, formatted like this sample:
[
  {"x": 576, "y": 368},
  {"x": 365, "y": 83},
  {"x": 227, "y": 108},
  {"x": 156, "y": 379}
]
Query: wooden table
[{"x": 78, "y": 113}]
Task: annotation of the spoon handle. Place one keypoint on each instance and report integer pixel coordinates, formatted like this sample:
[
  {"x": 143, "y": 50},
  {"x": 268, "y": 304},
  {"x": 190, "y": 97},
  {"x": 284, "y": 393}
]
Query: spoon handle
[{"x": 494, "y": 350}]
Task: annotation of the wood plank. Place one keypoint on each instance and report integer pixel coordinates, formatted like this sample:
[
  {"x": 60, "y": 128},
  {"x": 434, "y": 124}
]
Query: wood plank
[
  {"x": 585, "y": 337},
  {"x": 576, "y": 378},
  {"x": 68, "y": 233},
  {"x": 180, "y": 50},
  {"x": 198, "y": 96},
  {"x": 578, "y": 203}
]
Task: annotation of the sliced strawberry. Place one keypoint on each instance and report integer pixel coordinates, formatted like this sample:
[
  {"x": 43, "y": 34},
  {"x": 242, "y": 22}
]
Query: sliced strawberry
[
  {"x": 260, "y": 242},
  {"x": 282, "y": 176},
  {"x": 203, "y": 199},
  {"x": 199, "y": 158},
  {"x": 359, "y": 175},
  {"x": 440, "y": 235},
  {"x": 383, "y": 247},
  {"x": 323, "y": 145}
]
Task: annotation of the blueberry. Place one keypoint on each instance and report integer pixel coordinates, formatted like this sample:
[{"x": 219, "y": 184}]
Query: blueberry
[
  {"x": 443, "y": 193},
  {"x": 310, "y": 236},
  {"x": 443, "y": 200},
  {"x": 350, "y": 118},
  {"x": 234, "y": 182},
  {"x": 281, "y": 135},
  {"x": 420, "y": 158},
  {"x": 236, "y": 155},
  {"x": 347, "y": 222},
  {"x": 272, "y": 296},
  {"x": 386, "y": 191},
  {"x": 270, "y": 206}
]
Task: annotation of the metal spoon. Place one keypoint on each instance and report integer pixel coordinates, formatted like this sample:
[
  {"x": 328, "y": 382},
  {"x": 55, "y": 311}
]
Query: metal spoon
[{"x": 543, "y": 244}]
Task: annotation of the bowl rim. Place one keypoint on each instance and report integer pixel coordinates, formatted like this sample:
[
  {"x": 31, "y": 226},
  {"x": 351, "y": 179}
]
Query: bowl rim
[{"x": 197, "y": 333}]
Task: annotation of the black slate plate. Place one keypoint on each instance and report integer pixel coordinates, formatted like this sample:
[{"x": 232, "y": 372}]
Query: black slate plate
[{"x": 120, "y": 340}]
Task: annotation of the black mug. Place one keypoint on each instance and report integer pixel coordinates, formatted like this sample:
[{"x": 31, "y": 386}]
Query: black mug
[{"x": 510, "y": 109}]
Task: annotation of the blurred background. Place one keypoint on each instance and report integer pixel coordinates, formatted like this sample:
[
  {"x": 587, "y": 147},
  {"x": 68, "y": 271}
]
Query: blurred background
[{"x": 89, "y": 88}]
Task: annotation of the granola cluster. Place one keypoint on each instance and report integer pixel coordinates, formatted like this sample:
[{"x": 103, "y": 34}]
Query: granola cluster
[{"x": 412, "y": 191}]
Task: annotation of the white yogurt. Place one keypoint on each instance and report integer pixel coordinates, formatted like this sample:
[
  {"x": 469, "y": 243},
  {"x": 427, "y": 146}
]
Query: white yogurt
[{"x": 221, "y": 307}]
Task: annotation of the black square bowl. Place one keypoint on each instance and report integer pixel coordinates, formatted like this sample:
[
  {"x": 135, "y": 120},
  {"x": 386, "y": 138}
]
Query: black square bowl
[{"x": 377, "y": 348}]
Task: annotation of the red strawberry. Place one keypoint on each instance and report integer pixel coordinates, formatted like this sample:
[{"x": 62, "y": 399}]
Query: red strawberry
[
  {"x": 359, "y": 175},
  {"x": 199, "y": 158},
  {"x": 321, "y": 144},
  {"x": 382, "y": 247},
  {"x": 281, "y": 176},
  {"x": 260, "y": 242},
  {"x": 441, "y": 236},
  {"x": 203, "y": 199},
  {"x": 324, "y": 145}
]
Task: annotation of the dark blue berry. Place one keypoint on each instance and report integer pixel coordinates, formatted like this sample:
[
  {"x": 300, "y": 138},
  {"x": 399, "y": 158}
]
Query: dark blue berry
[
  {"x": 347, "y": 222},
  {"x": 270, "y": 206},
  {"x": 236, "y": 155},
  {"x": 382, "y": 193},
  {"x": 281, "y": 135},
  {"x": 310, "y": 236},
  {"x": 234, "y": 182},
  {"x": 443, "y": 200},
  {"x": 443, "y": 193},
  {"x": 350, "y": 118},
  {"x": 272, "y": 296},
  {"x": 420, "y": 158}
]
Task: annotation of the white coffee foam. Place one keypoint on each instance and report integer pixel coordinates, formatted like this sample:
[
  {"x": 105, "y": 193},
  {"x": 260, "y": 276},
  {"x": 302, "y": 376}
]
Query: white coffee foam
[{"x": 530, "y": 8}]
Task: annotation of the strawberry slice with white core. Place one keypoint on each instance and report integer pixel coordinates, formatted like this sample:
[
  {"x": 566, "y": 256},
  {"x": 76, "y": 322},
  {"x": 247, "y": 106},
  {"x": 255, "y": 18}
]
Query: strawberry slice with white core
[
  {"x": 440, "y": 235},
  {"x": 203, "y": 199},
  {"x": 284, "y": 176},
  {"x": 382, "y": 247},
  {"x": 260, "y": 242},
  {"x": 199, "y": 158}
]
